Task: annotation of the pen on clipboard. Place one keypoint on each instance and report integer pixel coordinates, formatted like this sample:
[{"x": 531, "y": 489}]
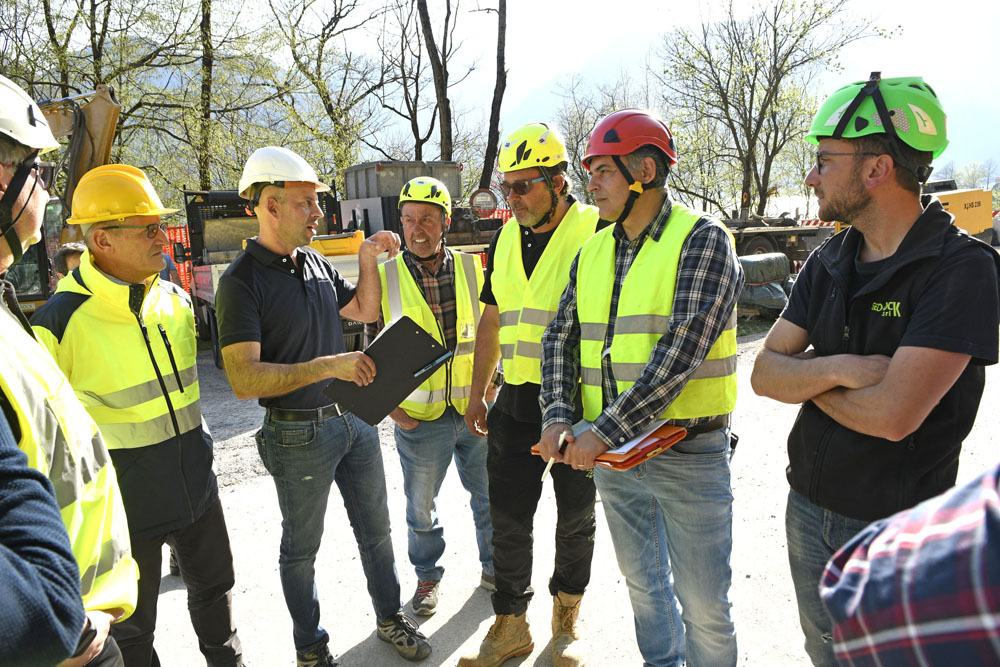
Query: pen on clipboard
[
  {"x": 430, "y": 366},
  {"x": 562, "y": 448}
]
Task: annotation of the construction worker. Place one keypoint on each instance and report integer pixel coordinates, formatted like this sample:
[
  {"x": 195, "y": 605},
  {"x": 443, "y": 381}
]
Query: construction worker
[
  {"x": 49, "y": 423},
  {"x": 126, "y": 341},
  {"x": 527, "y": 269},
  {"x": 647, "y": 325},
  {"x": 438, "y": 289},
  {"x": 67, "y": 258},
  {"x": 885, "y": 337},
  {"x": 279, "y": 307}
]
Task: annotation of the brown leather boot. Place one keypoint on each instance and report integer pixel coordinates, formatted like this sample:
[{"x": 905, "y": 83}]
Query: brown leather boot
[
  {"x": 508, "y": 638},
  {"x": 566, "y": 646}
]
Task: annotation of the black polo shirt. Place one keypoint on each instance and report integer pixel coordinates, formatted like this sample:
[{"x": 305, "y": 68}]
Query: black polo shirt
[{"x": 292, "y": 308}]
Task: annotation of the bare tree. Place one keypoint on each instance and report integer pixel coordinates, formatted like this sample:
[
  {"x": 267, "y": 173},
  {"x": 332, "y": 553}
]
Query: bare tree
[
  {"x": 493, "y": 133},
  {"x": 738, "y": 73},
  {"x": 403, "y": 58},
  {"x": 439, "y": 58}
]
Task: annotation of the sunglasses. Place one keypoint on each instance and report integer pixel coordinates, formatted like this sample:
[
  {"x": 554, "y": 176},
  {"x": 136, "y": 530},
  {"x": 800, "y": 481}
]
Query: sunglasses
[
  {"x": 519, "y": 188},
  {"x": 151, "y": 230}
]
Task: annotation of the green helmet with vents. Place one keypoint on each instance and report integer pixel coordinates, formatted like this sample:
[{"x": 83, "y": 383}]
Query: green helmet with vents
[
  {"x": 426, "y": 190},
  {"x": 904, "y": 107}
]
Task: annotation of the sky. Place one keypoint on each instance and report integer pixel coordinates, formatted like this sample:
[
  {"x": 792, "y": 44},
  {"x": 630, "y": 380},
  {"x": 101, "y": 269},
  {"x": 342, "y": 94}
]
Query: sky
[{"x": 549, "y": 40}]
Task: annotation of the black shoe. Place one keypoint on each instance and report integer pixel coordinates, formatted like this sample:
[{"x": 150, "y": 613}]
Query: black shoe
[{"x": 400, "y": 631}]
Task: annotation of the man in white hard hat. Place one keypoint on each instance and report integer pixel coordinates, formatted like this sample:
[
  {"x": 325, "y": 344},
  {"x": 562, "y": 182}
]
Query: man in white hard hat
[
  {"x": 126, "y": 341},
  {"x": 279, "y": 307},
  {"x": 49, "y": 423}
]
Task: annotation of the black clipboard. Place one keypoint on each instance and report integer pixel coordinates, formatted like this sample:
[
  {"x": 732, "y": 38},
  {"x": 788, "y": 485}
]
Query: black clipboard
[{"x": 405, "y": 356}]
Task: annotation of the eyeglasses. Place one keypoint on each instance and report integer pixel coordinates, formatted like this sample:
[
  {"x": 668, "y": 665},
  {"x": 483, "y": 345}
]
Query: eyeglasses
[
  {"x": 519, "y": 188},
  {"x": 151, "y": 230},
  {"x": 822, "y": 155},
  {"x": 46, "y": 171}
]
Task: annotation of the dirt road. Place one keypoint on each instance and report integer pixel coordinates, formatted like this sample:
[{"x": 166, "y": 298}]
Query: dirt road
[{"x": 764, "y": 608}]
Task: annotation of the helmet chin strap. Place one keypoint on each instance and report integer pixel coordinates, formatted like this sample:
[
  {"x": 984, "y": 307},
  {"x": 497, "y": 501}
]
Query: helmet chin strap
[
  {"x": 634, "y": 186},
  {"x": 555, "y": 202},
  {"x": 7, "y": 219}
]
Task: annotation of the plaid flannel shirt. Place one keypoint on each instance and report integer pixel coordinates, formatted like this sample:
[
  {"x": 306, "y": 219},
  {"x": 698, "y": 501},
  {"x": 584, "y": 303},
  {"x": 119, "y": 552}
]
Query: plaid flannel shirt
[
  {"x": 439, "y": 293},
  {"x": 923, "y": 586},
  {"x": 709, "y": 280}
]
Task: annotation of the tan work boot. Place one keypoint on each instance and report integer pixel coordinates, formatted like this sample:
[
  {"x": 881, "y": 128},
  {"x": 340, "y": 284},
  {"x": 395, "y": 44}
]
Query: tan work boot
[
  {"x": 566, "y": 648},
  {"x": 508, "y": 638}
]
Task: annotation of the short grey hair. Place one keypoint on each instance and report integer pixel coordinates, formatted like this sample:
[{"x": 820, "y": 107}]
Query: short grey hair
[
  {"x": 635, "y": 158},
  {"x": 13, "y": 151}
]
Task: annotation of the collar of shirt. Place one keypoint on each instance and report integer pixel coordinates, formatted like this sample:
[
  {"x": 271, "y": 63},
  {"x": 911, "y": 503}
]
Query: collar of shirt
[
  {"x": 268, "y": 257},
  {"x": 417, "y": 267},
  {"x": 654, "y": 229}
]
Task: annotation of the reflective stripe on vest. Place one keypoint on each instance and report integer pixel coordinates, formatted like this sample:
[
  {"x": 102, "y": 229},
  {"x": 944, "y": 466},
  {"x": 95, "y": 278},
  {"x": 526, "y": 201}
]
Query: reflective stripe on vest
[
  {"x": 526, "y": 306},
  {"x": 62, "y": 441},
  {"x": 452, "y": 383},
  {"x": 641, "y": 322},
  {"x": 117, "y": 381}
]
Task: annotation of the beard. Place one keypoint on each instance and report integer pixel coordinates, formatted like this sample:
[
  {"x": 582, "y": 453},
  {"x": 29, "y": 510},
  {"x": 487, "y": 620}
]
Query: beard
[{"x": 849, "y": 204}]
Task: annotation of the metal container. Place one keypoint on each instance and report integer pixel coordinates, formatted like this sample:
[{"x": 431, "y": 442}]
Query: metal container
[{"x": 386, "y": 179}]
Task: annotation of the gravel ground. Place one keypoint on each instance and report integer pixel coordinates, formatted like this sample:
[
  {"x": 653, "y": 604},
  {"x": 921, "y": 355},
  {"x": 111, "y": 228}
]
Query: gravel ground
[{"x": 763, "y": 600}]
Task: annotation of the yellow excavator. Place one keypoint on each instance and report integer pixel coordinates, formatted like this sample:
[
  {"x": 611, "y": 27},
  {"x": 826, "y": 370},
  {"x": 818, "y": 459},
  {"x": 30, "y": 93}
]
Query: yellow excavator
[{"x": 89, "y": 121}]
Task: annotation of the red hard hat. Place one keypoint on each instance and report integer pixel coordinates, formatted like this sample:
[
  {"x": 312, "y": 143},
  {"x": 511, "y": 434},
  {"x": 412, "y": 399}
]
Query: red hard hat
[{"x": 624, "y": 131}]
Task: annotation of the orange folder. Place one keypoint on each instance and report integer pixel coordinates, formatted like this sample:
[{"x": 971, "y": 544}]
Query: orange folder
[{"x": 660, "y": 440}]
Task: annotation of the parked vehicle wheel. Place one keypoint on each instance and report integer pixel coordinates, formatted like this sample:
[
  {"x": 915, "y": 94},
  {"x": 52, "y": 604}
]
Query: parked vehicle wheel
[{"x": 758, "y": 245}]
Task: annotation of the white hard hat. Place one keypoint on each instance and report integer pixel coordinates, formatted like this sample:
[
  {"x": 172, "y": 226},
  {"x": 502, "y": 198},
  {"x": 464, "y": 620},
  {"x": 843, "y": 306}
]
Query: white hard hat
[
  {"x": 276, "y": 164},
  {"x": 22, "y": 120}
]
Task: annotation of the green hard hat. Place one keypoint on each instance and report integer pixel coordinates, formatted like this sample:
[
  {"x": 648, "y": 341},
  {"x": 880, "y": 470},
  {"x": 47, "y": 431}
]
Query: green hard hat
[{"x": 909, "y": 105}]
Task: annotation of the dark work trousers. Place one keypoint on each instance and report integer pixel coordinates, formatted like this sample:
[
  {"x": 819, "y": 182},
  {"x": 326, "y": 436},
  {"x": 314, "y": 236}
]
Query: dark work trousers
[
  {"x": 515, "y": 487},
  {"x": 110, "y": 656},
  {"x": 206, "y": 565}
]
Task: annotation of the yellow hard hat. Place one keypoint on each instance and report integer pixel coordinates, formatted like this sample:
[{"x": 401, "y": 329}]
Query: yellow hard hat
[
  {"x": 532, "y": 145},
  {"x": 114, "y": 192},
  {"x": 426, "y": 190}
]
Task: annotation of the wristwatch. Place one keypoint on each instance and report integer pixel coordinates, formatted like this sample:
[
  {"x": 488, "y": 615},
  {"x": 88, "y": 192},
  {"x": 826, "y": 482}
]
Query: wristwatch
[{"x": 86, "y": 639}]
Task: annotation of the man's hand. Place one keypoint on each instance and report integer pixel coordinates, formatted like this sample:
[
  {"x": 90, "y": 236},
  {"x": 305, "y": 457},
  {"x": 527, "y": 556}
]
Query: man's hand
[
  {"x": 581, "y": 452},
  {"x": 405, "y": 421},
  {"x": 858, "y": 371},
  {"x": 548, "y": 446},
  {"x": 475, "y": 416},
  {"x": 379, "y": 242},
  {"x": 356, "y": 367},
  {"x": 101, "y": 621}
]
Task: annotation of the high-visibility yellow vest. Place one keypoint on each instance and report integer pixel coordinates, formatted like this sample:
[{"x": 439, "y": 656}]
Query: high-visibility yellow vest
[
  {"x": 644, "y": 307},
  {"x": 452, "y": 383},
  {"x": 117, "y": 383},
  {"x": 526, "y": 306},
  {"x": 63, "y": 442}
]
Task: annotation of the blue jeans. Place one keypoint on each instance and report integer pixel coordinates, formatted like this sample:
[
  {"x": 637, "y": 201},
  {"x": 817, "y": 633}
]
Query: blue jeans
[
  {"x": 304, "y": 459},
  {"x": 424, "y": 454},
  {"x": 671, "y": 522},
  {"x": 814, "y": 535}
]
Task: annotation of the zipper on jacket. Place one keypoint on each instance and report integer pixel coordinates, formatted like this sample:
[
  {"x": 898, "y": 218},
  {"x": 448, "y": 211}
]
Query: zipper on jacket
[
  {"x": 447, "y": 364},
  {"x": 137, "y": 294},
  {"x": 170, "y": 354},
  {"x": 817, "y": 468}
]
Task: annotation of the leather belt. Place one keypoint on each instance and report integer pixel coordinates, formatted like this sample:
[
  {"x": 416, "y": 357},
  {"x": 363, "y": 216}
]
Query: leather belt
[
  {"x": 315, "y": 414},
  {"x": 721, "y": 421}
]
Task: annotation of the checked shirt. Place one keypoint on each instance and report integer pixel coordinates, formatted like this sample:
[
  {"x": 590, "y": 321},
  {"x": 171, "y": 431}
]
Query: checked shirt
[{"x": 709, "y": 280}]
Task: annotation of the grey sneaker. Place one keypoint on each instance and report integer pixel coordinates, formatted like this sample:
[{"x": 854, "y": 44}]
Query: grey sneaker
[
  {"x": 425, "y": 599},
  {"x": 319, "y": 658},
  {"x": 488, "y": 582},
  {"x": 400, "y": 631}
]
